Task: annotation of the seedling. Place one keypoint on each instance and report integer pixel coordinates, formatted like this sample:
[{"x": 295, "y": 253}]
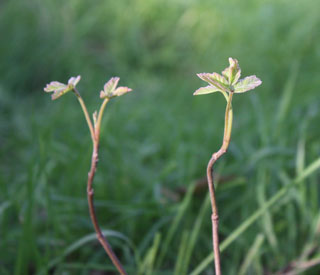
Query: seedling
[
  {"x": 228, "y": 83},
  {"x": 110, "y": 90}
]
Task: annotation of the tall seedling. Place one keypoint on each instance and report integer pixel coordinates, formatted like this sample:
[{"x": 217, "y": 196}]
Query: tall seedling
[
  {"x": 110, "y": 90},
  {"x": 228, "y": 83}
]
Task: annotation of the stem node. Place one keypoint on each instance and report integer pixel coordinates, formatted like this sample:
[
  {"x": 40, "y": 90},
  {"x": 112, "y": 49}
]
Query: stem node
[{"x": 215, "y": 217}]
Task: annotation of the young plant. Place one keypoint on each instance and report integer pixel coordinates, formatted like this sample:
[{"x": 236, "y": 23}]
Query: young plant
[
  {"x": 228, "y": 83},
  {"x": 110, "y": 90}
]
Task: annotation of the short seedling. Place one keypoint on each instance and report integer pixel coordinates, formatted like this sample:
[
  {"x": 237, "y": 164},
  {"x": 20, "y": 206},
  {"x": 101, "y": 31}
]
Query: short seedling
[
  {"x": 110, "y": 90},
  {"x": 228, "y": 83}
]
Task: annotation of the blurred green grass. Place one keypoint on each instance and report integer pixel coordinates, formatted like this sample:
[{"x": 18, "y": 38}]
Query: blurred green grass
[{"x": 159, "y": 137}]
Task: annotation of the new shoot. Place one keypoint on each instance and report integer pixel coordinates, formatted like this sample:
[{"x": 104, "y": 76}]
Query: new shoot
[
  {"x": 110, "y": 91},
  {"x": 228, "y": 84}
]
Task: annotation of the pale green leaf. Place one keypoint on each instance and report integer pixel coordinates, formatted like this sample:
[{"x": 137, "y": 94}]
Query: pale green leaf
[
  {"x": 246, "y": 84},
  {"x": 215, "y": 80},
  {"x": 57, "y": 88},
  {"x": 59, "y": 93},
  {"x": 54, "y": 86},
  {"x": 121, "y": 90},
  {"x": 206, "y": 90}
]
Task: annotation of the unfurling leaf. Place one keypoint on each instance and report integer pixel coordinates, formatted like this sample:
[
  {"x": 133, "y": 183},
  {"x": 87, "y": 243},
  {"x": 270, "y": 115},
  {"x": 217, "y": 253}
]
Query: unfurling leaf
[
  {"x": 109, "y": 87},
  {"x": 94, "y": 116},
  {"x": 206, "y": 90},
  {"x": 74, "y": 81},
  {"x": 110, "y": 90},
  {"x": 233, "y": 72},
  {"x": 59, "y": 88},
  {"x": 246, "y": 84}
]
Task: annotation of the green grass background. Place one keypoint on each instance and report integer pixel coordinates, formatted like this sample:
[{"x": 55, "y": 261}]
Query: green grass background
[{"x": 157, "y": 140}]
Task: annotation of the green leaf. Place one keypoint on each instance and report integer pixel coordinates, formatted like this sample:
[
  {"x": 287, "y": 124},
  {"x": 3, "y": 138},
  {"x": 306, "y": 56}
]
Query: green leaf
[
  {"x": 233, "y": 72},
  {"x": 59, "y": 88},
  {"x": 109, "y": 89},
  {"x": 206, "y": 90},
  {"x": 246, "y": 84},
  {"x": 215, "y": 80}
]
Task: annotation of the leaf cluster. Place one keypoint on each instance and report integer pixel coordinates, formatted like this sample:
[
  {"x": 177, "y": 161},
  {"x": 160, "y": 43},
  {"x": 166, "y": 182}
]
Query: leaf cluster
[
  {"x": 228, "y": 82},
  {"x": 110, "y": 88}
]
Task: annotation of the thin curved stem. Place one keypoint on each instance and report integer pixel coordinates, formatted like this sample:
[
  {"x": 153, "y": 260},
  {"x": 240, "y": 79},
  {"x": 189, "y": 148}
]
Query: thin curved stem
[
  {"x": 86, "y": 114},
  {"x": 213, "y": 159},
  {"x": 95, "y": 135},
  {"x": 98, "y": 123}
]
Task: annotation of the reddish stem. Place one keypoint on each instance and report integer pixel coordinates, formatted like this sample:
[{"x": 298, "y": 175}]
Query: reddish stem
[
  {"x": 95, "y": 134},
  {"x": 90, "y": 194}
]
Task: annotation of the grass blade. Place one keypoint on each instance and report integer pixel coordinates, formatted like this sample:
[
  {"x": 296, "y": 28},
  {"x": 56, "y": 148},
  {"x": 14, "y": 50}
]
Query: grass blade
[
  {"x": 86, "y": 239},
  {"x": 195, "y": 234},
  {"x": 148, "y": 262},
  {"x": 251, "y": 254},
  {"x": 173, "y": 228},
  {"x": 181, "y": 254}
]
